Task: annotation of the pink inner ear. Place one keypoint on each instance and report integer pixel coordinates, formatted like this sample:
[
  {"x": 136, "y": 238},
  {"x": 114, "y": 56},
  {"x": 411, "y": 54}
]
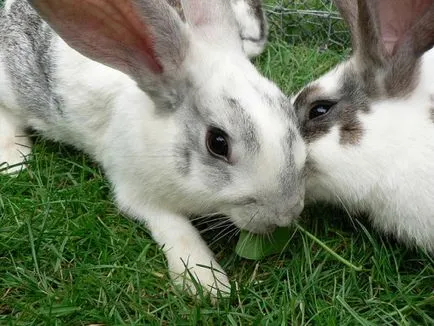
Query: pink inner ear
[
  {"x": 396, "y": 18},
  {"x": 138, "y": 35},
  {"x": 106, "y": 31}
]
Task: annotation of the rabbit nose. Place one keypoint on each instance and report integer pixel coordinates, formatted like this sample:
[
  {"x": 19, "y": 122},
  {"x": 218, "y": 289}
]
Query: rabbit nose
[{"x": 286, "y": 216}]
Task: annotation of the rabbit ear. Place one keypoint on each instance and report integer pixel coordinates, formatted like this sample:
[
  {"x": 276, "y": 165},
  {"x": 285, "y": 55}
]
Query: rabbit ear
[
  {"x": 145, "y": 39},
  {"x": 393, "y": 36},
  {"x": 349, "y": 12},
  {"x": 386, "y": 28},
  {"x": 214, "y": 20},
  {"x": 127, "y": 35},
  {"x": 389, "y": 37},
  {"x": 403, "y": 21}
]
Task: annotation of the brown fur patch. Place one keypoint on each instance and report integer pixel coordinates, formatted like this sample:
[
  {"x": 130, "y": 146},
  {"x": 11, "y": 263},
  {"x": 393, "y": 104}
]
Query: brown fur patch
[
  {"x": 402, "y": 75},
  {"x": 351, "y": 132}
]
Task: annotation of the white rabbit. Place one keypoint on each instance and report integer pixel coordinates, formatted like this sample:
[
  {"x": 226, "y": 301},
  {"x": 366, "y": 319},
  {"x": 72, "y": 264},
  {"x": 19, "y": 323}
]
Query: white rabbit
[
  {"x": 181, "y": 121},
  {"x": 369, "y": 122}
]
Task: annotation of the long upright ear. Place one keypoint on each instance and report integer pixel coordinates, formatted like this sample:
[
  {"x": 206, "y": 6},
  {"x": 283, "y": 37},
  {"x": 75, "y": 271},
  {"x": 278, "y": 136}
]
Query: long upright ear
[
  {"x": 349, "y": 12},
  {"x": 380, "y": 28},
  {"x": 392, "y": 36},
  {"x": 144, "y": 39},
  {"x": 214, "y": 20},
  {"x": 123, "y": 34},
  {"x": 406, "y": 23},
  {"x": 389, "y": 27}
]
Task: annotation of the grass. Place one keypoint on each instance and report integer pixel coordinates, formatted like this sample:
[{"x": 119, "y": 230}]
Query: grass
[{"x": 68, "y": 257}]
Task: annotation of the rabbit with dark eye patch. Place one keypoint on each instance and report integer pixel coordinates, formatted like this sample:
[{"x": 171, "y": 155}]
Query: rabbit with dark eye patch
[
  {"x": 180, "y": 120},
  {"x": 369, "y": 122}
]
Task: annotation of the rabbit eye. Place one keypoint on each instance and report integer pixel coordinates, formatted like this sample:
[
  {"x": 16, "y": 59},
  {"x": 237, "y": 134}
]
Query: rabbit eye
[
  {"x": 217, "y": 143},
  {"x": 319, "y": 109}
]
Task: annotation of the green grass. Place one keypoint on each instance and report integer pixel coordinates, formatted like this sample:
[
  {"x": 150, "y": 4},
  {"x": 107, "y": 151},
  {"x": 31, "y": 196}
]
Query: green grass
[{"x": 68, "y": 257}]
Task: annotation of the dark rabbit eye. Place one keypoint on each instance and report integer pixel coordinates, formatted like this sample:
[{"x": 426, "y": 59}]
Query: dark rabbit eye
[
  {"x": 320, "y": 109},
  {"x": 217, "y": 143}
]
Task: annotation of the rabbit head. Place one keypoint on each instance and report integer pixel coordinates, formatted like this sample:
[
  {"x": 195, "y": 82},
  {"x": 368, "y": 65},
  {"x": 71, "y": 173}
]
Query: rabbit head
[{"x": 228, "y": 140}]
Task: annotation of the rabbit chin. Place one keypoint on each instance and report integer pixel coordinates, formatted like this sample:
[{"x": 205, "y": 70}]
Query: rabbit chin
[{"x": 261, "y": 220}]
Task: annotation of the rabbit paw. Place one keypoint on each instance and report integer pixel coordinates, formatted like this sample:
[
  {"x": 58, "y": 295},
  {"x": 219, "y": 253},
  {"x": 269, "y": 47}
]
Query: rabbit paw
[
  {"x": 15, "y": 146},
  {"x": 192, "y": 266},
  {"x": 196, "y": 274},
  {"x": 13, "y": 155}
]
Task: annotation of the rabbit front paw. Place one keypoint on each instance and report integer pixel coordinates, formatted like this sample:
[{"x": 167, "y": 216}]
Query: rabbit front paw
[
  {"x": 15, "y": 146},
  {"x": 191, "y": 263},
  {"x": 199, "y": 273}
]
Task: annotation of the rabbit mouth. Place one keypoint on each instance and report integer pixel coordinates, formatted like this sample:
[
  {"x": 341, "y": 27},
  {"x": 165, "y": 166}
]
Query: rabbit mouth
[{"x": 260, "y": 221}]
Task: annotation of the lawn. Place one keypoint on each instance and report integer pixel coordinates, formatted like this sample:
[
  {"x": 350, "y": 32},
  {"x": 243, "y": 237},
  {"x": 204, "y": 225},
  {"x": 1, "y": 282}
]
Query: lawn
[{"x": 68, "y": 257}]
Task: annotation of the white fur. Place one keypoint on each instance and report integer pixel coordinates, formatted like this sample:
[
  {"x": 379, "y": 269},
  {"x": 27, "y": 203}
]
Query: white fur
[
  {"x": 8, "y": 4},
  {"x": 14, "y": 144},
  {"x": 390, "y": 173},
  {"x": 109, "y": 117}
]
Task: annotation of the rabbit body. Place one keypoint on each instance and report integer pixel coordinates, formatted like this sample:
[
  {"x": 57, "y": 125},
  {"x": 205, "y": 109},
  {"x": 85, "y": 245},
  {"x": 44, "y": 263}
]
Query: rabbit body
[
  {"x": 370, "y": 128},
  {"x": 149, "y": 112}
]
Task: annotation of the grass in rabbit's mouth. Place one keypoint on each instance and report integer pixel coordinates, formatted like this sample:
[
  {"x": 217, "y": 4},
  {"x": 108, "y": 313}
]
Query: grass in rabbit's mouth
[{"x": 68, "y": 257}]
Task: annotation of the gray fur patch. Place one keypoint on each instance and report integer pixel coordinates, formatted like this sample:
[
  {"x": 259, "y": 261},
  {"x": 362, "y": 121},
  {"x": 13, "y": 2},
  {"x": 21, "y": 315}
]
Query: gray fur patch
[
  {"x": 284, "y": 104},
  {"x": 27, "y": 43},
  {"x": 248, "y": 130},
  {"x": 288, "y": 180},
  {"x": 184, "y": 161},
  {"x": 351, "y": 99},
  {"x": 398, "y": 78},
  {"x": 401, "y": 76},
  {"x": 198, "y": 118},
  {"x": 217, "y": 172},
  {"x": 258, "y": 12},
  {"x": 355, "y": 94}
]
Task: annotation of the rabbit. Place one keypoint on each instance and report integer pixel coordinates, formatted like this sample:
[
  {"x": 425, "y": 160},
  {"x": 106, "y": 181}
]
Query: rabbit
[
  {"x": 369, "y": 122},
  {"x": 180, "y": 120},
  {"x": 252, "y": 24}
]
